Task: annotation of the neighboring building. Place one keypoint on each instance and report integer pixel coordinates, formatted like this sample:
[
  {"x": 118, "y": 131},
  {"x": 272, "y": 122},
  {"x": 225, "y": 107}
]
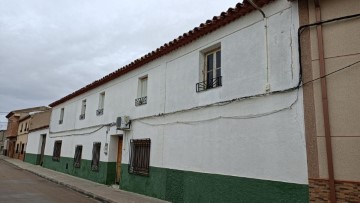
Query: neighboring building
[
  {"x": 38, "y": 131},
  {"x": 22, "y": 137},
  {"x": 2, "y": 141},
  {"x": 13, "y": 128},
  {"x": 216, "y": 115},
  {"x": 331, "y": 67}
]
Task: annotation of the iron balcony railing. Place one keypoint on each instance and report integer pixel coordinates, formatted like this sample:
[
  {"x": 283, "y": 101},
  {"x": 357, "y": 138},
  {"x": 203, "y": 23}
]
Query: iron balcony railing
[
  {"x": 208, "y": 84},
  {"x": 82, "y": 116},
  {"x": 140, "y": 101},
  {"x": 99, "y": 112}
]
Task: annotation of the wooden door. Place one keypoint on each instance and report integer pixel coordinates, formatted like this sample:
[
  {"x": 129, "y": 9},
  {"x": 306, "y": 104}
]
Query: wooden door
[{"x": 118, "y": 160}]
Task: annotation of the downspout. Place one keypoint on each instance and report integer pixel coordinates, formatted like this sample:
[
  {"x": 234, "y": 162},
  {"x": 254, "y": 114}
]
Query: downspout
[
  {"x": 267, "y": 87},
  {"x": 325, "y": 103}
]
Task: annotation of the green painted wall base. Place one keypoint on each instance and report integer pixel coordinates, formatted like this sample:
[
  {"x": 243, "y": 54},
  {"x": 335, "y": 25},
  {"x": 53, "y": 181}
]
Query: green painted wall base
[
  {"x": 105, "y": 175},
  {"x": 32, "y": 158},
  {"x": 186, "y": 186}
]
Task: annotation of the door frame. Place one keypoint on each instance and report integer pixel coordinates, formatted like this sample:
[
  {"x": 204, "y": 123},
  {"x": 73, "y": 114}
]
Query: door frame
[{"x": 119, "y": 159}]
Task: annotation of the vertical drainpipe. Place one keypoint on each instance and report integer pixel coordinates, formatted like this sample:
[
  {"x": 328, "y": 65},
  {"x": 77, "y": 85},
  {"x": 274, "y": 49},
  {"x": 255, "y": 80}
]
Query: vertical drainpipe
[
  {"x": 267, "y": 88},
  {"x": 325, "y": 104}
]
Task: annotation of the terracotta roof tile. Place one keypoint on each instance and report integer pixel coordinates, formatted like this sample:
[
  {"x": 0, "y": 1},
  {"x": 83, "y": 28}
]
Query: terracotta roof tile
[{"x": 203, "y": 29}]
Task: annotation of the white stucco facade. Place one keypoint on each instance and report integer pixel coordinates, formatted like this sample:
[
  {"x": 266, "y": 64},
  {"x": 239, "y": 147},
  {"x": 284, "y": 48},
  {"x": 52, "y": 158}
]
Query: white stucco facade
[
  {"x": 228, "y": 133},
  {"x": 35, "y": 140}
]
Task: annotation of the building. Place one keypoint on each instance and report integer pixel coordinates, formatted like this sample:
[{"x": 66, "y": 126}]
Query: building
[
  {"x": 13, "y": 128},
  {"x": 38, "y": 131},
  {"x": 2, "y": 141},
  {"x": 330, "y": 53},
  {"x": 22, "y": 137},
  {"x": 215, "y": 115}
]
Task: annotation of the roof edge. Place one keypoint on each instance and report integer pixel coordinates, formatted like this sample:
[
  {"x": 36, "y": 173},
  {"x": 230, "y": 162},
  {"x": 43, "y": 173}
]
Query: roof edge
[{"x": 232, "y": 14}]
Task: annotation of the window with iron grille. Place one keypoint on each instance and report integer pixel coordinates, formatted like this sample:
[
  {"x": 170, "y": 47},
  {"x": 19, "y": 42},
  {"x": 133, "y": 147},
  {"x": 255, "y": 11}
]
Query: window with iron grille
[
  {"x": 83, "y": 110},
  {"x": 77, "y": 156},
  {"x": 140, "y": 156},
  {"x": 57, "y": 150},
  {"x": 142, "y": 91},
  {"x": 61, "y": 115},
  {"x": 95, "y": 156},
  {"x": 211, "y": 71},
  {"x": 100, "y": 110}
]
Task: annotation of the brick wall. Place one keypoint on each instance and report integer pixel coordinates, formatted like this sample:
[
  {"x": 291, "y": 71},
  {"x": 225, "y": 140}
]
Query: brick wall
[
  {"x": 13, "y": 125},
  {"x": 346, "y": 191}
]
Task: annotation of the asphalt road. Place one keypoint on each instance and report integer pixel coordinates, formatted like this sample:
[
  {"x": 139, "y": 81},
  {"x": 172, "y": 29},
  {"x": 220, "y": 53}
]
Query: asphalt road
[{"x": 18, "y": 185}]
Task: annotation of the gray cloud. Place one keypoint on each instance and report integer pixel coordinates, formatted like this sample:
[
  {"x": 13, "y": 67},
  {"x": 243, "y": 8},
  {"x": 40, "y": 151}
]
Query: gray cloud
[{"x": 49, "y": 49}]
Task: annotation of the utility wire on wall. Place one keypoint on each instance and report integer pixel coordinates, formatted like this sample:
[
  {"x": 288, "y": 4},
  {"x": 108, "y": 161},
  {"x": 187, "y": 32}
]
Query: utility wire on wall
[{"x": 297, "y": 87}]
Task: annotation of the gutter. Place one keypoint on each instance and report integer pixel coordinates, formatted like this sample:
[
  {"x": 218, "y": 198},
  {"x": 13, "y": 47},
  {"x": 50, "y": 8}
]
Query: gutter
[{"x": 325, "y": 103}]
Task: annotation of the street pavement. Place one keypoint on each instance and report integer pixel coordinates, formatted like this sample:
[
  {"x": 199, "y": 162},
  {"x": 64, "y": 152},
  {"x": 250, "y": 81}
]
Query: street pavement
[
  {"x": 24, "y": 182},
  {"x": 18, "y": 185}
]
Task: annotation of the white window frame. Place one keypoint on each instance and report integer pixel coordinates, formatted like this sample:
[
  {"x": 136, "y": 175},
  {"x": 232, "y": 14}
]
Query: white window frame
[
  {"x": 62, "y": 111},
  {"x": 101, "y": 104},
  {"x": 142, "y": 87},
  {"x": 83, "y": 109},
  {"x": 214, "y": 64},
  {"x": 142, "y": 91}
]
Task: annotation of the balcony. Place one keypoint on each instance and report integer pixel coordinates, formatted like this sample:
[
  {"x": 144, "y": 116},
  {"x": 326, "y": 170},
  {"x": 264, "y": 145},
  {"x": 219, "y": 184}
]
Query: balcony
[
  {"x": 82, "y": 116},
  {"x": 99, "y": 112},
  {"x": 140, "y": 101},
  {"x": 209, "y": 84}
]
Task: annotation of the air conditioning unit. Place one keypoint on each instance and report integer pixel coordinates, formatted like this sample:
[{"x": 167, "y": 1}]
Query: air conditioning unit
[{"x": 123, "y": 123}]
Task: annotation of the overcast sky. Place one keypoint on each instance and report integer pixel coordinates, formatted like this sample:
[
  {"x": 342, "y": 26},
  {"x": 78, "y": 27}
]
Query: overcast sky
[{"x": 48, "y": 49}]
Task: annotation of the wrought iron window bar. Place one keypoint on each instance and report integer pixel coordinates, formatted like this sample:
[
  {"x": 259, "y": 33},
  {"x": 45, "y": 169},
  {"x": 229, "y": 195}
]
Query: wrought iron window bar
[
  {"x": 82, "y": 116},
  {"x": 139, "y": 157},
  {"x": 140, "y": 101},
  {"x": 99, "y": 112},
  {"x": 209, "y": 84}
]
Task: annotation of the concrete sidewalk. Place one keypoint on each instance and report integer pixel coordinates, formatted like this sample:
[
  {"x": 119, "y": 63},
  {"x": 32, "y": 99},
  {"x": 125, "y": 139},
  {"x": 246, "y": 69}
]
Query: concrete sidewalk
[{"x": 97, "y": 191}]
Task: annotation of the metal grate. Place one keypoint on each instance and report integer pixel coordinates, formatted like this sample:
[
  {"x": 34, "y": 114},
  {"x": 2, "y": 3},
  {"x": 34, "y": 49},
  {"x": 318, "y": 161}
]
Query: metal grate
[
  {"x": 95, "y": 156},
  {"x": 57, "y": 150},
  {"x": 82, "y": 116},
  {"x": 99, "y": 112},
  {"x": 140, "y": 156},
  {"x": 209, "y": 84},
  {"x": 77, "y": 156},
  {"x": 140, "y": 101}
]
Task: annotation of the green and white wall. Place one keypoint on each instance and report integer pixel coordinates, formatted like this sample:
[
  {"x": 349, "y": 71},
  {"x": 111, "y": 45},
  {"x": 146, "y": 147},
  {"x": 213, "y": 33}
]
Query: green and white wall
[
  {"x": 33, "y": 147},
  {"x": 229, "y": 149},
  {"x": 107, "y": 166}
]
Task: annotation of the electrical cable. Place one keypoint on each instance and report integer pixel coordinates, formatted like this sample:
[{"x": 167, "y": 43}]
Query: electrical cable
[
  {"x": 343, "y": 68},
  {"x": 303, "y": 27},
  {"x": 222, "y": 103}
]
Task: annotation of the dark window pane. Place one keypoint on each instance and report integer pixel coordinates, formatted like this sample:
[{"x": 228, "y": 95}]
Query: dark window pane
[
  {"x": 210, "y": 61},
  {"x": 218, "y": 59},
  {"x": 218, "y": 72}
]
